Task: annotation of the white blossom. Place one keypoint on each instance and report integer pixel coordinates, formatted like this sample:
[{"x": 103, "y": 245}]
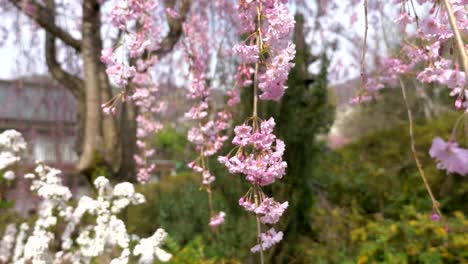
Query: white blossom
[
  {"x": 7, "y": 242},
  {"x": 12, "y": 146},
  {"x": 20, "y": 240},
  {"x": 9, "y": 175},
  {"x": 149, "y": 248},
  {"x": 123, "y": 258}
]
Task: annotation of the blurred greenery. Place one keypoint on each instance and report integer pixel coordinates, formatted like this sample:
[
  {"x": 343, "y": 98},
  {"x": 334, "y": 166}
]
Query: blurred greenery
[
  {"x": 172, "y": 144},
  {"x": 379, "y": 173}
]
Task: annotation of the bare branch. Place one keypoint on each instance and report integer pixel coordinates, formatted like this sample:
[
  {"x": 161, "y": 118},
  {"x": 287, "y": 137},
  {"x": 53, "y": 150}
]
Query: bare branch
[
  {"x": 71, "y": 82},
  {"x": 435, "y": 203},
  {"x": 175, "y": 28},
  {"x": 42, "y": 16}
]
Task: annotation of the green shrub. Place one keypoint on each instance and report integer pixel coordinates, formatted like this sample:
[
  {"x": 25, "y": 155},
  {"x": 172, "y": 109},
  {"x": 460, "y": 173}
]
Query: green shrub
[
  {"x": 180, "y": 206},
  {"x": 378, "y": 172},
  {"x": 348, "y": 237}
]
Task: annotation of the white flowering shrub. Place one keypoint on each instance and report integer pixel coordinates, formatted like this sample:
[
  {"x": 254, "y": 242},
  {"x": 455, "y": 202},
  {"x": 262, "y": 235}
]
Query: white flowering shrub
[
  {"x": 106, "y": 233},
  {"x": 12, "y": 146}
]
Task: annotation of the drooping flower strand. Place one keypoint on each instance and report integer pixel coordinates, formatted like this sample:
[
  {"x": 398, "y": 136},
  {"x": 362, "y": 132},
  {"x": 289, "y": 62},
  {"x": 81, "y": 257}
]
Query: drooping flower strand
[
  {"x": 422, "y": 174},
  {"x": 461, "y": 47},
  {"x": 142, "y": 33},
  {"x": 208, "y": 138},
  {"x": 208, "y": 132},
  {"x": 145, "y": 95},
  {"x": 259, "y": 154},
  {"x": 433, "y": 48},
  {"x": 362, "y": 89}
]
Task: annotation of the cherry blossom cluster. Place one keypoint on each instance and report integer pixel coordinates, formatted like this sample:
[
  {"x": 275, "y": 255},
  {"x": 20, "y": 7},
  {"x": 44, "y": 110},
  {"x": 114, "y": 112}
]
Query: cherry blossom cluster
[
  {"x": 264, "y": 165},
  {"x": 273, "y": 48},
  {"x": 259, "y": 157},
  {"x": 93, "y": 240},
  {"x": 135, "y": 19},
  {"x": 268, "y": 239},
  {"x": 146, "y": 99}
]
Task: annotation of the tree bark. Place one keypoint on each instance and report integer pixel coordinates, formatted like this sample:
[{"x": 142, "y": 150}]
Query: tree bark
[
  {"x": 110, "y": 131},
  {"x": 91, "y": 84},
  {"x": 128, "y": 128},
  {"x": 42, "y": 16}
]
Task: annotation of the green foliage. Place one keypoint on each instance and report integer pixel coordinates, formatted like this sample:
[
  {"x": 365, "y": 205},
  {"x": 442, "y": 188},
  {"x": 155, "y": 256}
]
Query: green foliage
[
  {"x": 195, "y": 252},
  {"x": 378, "y": 172},
  {"x": 99, "y": 167},
  {"x": 4, "y": 185},
  {"x": 8, "y": 217},
  {"x": 171, "y": 144},
  {"x": 412, "y": 238},
  {"x": 373, "y": 207},
  {"x": 180, "y": 206}
]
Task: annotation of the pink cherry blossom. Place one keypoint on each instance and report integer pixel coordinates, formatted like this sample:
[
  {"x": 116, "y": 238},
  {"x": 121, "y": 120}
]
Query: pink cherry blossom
[
  {"x": 404, "y": 19},
  {"x": 247, "y": 204},
  {"x": 207, "y": 178},
  {"x": 270, "y": 210},
  {"x": 434, "y": 217},
  {"x": 267, "y": 240},
  {"x": 217, "y": 219},
  {"x": 106, "y": 55},
  {"x": 247, "y": 53},
  {"x": 449, "y": 156}
]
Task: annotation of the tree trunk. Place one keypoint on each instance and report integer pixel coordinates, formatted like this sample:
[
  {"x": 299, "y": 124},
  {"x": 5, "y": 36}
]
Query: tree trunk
[
  {"x": 91, "y": 84},
  {"x": 110, "y": 131},
  {"x": 128, "y": 127}
]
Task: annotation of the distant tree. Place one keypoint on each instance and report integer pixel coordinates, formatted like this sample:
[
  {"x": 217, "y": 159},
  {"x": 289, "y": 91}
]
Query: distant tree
[{"x": 107, "y": 138}]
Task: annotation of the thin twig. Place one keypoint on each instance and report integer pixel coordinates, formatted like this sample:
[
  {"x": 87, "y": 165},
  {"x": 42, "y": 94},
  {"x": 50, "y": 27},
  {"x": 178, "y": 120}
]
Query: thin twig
[
  {"x": 257, "y": 64},
  {"x": 254, "y": 116},
  {"x": 364, "y": 48},
  {"x": 255, "y": 88},
  {"x": 415, "y": 14},
  {"x": 435, "y": 203},
  {"x": 458, "y": 40},
  {"x": 207, "y": 187},
  {"x": 259, "y": 229}
]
